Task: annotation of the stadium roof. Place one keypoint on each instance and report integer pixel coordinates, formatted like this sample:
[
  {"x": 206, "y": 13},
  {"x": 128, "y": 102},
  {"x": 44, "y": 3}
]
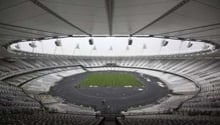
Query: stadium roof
[{"x": 37, "y": 19}]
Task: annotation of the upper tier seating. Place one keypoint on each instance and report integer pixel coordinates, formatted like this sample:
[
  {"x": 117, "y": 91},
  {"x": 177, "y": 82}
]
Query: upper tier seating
[{"x": 8, "y": 69}]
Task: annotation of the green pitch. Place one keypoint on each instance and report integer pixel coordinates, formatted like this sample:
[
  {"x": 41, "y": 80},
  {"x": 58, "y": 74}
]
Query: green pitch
[{"x": 110, "y": 79}]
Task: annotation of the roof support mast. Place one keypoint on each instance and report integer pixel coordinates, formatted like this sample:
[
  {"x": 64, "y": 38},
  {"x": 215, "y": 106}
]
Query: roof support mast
[
  {"x": 110, "y": 12},
  {"x": 180, "y": 4},
  {"x": 44, "y": 7}
]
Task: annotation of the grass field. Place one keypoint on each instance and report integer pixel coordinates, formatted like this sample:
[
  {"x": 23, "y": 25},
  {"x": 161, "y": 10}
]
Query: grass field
[{"x": 110, "y": 79}]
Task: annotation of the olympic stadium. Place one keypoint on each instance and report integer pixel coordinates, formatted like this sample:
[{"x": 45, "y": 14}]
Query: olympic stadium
[{"x": 109, "y": 62}]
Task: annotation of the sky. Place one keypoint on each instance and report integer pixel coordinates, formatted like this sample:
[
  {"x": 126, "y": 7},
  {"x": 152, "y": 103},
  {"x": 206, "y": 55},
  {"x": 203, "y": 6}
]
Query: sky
[{"x": 119, "y": 46}]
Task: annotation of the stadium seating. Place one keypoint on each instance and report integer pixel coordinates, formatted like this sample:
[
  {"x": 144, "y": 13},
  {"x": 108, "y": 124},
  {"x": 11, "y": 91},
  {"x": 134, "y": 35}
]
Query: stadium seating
[
  {"x": 13, "y": 99},
  {"x": 203, "y": 72},
  {"x": 16, "y": 107},
  {"x": 169, "y": 120},
  {"x": 8, "y": 69},
  {"x": 18, "y": 80},
  {"x": 44, "y": 118}
]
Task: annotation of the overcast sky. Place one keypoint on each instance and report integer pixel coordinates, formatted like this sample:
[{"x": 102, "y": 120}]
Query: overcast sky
[{"x": 119, "y": 46}]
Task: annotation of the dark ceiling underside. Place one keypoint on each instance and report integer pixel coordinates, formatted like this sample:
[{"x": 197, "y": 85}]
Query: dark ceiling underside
[{"x": 29, "y": 19}]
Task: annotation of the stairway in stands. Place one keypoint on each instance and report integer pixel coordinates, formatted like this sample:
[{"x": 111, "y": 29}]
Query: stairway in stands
[
  {"x": 109, "y": 123},
  {"x": 110, "y": 119}
]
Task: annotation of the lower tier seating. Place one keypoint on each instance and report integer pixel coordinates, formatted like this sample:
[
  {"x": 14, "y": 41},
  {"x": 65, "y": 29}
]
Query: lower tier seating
[
  {"x": 13, "y": 99},
  {"x": 17, "y": 108},
  {"x": 169, "y": 120},
  {"x": 44, "y": 118}
]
